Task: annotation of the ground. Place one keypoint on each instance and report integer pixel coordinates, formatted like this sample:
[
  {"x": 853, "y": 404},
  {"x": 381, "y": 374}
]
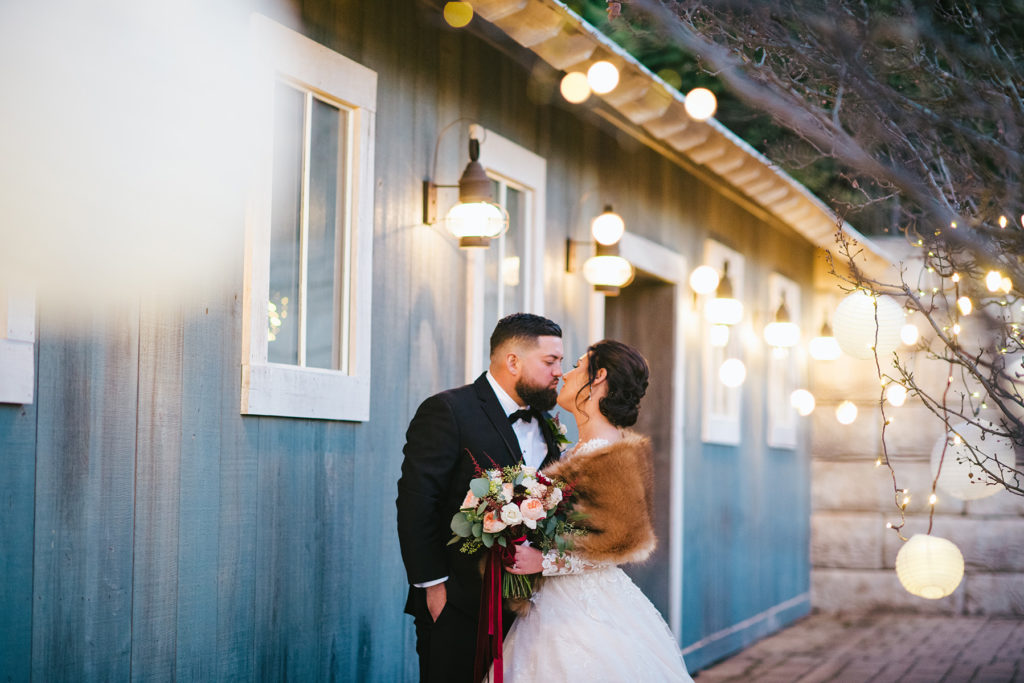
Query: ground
[{"x": 882, "y": 647}]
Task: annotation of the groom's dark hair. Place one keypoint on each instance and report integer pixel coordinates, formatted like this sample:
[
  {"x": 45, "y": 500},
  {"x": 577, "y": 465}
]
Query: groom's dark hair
[{"x": 525, "y": 326}]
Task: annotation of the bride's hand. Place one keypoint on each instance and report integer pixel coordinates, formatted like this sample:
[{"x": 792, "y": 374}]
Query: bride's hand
[{"x": 528, "y": 560}]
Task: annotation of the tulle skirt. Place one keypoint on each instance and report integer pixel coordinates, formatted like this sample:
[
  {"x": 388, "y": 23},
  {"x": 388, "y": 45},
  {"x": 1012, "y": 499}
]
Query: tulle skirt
[{"x": 591, "y": 627}]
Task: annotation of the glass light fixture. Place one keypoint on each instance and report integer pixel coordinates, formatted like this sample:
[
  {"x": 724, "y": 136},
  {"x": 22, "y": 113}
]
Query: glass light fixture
[
  {"x": 602, "y": 77},
  {"x": 724, "y": 309},
  {"x": 732, "y": 372},
  {"x": 608, "y": 273},
  {"x": 700, "y": 104},
  {"x": 704, "y": 279},
  {"x": 608, "y": 227},
  {"x": 476, "y": 219},
  {"x": 782, "y": 332},
  {"x": 803, "y": 401},
  {"x": 929, "y": 567},
  {"x": 824, "y": 346}
]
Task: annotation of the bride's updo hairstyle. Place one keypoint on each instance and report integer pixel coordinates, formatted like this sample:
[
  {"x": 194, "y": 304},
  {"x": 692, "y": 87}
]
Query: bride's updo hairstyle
[{"x": 627, "y": 380}]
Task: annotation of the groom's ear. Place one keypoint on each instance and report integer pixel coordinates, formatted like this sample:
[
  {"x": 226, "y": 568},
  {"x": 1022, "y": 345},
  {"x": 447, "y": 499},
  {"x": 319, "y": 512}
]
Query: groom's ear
[{"x": 512, "y": 363}]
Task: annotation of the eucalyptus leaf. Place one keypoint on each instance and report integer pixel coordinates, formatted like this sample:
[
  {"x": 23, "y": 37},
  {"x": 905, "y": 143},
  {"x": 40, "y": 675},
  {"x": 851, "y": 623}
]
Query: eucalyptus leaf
[
  {"x": 480, "y": 508},
  {"x": 488, "y": 539},
  {"x": 502, "y": 541},
  {"x": 478, "y": 529},
  {"x": 480, "y": 487},
  {"x": 460, "y": 525}
]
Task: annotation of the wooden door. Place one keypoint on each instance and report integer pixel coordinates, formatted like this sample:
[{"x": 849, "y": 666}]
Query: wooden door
[{"x": 643, "y": 316}]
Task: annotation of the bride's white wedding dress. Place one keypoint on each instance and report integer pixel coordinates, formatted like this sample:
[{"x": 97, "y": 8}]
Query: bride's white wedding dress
[{"x": 590, "y": 623}]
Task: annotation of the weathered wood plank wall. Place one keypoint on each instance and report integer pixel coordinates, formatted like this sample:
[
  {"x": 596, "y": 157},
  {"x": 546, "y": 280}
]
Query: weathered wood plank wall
[{"x": 150, "y": 531}]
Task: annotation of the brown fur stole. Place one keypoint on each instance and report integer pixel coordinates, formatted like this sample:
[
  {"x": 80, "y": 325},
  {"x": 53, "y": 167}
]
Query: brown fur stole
[{"x": 614, "y": 489}]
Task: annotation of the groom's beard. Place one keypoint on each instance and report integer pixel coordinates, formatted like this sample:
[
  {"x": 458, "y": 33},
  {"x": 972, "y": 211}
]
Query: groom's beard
[{"x": 541, "y": 398}]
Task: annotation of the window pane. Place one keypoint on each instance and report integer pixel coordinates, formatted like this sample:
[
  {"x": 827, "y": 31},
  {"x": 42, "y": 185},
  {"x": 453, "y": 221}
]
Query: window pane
[
  {"x": 326, "y": 265},
  {"x": 285, "y": 213},
  {"x": 515, "y": 249}
]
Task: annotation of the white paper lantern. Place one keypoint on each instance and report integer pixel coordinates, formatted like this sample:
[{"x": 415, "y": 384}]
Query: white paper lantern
[
  {"x": 929, "y": 566},
  {"x": 854, "y": 324},
  {"x": 960, "y": 476}
]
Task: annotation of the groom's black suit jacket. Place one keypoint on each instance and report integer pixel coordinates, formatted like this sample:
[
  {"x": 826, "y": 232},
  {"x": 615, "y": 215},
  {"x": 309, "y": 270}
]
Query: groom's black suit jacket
[{"x": 448, "y": 432}]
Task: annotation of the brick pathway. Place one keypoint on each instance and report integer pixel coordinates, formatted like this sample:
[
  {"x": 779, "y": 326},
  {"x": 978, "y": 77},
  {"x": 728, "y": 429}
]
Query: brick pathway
[{"x": 909, "y": 648}]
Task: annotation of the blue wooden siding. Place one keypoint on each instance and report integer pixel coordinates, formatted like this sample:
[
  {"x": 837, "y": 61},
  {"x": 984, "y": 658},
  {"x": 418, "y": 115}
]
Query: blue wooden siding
[{"x": 151, "y": 532}]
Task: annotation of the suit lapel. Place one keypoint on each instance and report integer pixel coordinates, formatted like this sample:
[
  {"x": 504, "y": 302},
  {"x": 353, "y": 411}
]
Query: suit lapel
[
  {"x": 493, "y": 410},
  {"x": 554, "y": 452}
]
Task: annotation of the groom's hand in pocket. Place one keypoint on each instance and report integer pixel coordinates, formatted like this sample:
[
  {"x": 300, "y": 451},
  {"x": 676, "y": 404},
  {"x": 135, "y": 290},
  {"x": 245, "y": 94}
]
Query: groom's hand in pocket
[{"x": 437, "y": 596}]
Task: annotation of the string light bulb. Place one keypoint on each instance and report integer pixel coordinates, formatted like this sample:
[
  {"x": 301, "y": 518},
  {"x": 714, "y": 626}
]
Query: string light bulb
[
  {"x": 700, "y": 104},
  {"x": 993, "y": 281},
  {"x": 602, "y": 77},
  {"x": 846, "y": 412},
  {"x": 895, "y": 394},
  {"x": 1002, "y": 222},
  {"x": 965, "y": 305},
  {"x": 574, "y": 87}
]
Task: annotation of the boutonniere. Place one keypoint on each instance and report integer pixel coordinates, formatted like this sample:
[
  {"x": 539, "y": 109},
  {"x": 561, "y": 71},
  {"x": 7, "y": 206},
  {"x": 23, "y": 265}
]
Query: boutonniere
[{"x": 559, "y": 431}]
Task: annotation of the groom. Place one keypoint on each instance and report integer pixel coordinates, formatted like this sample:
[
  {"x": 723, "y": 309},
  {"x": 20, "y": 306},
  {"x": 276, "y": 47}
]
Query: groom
[{"x": 498, "y": 420}]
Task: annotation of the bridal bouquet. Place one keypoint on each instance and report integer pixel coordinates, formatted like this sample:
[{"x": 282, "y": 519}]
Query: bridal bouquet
[{"x": 505, "y": 507}]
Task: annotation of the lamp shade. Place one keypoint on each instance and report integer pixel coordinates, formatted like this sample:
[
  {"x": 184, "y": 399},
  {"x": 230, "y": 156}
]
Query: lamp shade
[
  {"x": 608, "y": 273},
  {"x": 475, "y": 224},
  {"x": 961, "y": 477},
  {"x": 723, "y": 311},
  {"x": 608, "y": 227},
  {"x": 854, "y": 323},
  {"x": 929, "y": 567},
  {"x": 782, "y": 332}
]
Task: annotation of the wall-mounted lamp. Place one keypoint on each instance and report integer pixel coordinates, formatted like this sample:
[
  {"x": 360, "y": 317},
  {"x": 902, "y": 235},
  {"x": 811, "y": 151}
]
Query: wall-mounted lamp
[
  {"x": 824, "y": 346},
  {"x": 782, "y": 332},
  {"x": 476, "y": 219},
  {"x": 724, "y": 309},
  {"x": 605, "y": 270}
]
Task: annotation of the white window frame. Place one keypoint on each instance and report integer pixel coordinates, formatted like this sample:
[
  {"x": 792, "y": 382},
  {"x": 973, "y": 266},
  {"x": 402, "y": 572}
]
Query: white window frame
[
  {"x": 17, "y": 346},
  {"x": 782, "y": 422},
  {"x": 289, "y": 390},
  {"x": 520, "y": 168},
  {"x": 722, "y": 426}
]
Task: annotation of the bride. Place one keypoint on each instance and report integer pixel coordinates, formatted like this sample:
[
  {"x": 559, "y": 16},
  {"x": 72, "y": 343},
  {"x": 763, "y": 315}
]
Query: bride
[{"x": 589, "y": 622}]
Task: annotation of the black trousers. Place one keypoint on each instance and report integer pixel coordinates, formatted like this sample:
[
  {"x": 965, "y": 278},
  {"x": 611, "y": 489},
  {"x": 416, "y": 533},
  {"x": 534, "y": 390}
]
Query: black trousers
[{"x": 446, "y": 647}]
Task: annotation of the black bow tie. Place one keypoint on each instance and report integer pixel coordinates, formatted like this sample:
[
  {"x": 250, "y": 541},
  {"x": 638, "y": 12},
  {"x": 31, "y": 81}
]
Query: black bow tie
[{"x": 526, "y": 415}]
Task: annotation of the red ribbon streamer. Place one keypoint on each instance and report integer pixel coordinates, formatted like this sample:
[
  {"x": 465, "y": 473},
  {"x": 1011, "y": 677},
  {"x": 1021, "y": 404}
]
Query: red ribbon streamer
[{"x": 489, "y": 624}]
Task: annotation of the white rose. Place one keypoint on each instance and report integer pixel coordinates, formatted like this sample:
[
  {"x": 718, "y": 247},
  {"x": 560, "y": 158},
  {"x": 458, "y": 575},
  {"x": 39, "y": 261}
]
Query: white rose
[
  {"x": 562, "y": 429},
  {"x": 528, "y": 483},
  {"x": 554, "y": 498},
  {"x": 511, "y": 514}
]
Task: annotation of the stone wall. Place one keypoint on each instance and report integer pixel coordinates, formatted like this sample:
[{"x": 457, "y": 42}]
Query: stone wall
[{"x": 852, "y": 552}]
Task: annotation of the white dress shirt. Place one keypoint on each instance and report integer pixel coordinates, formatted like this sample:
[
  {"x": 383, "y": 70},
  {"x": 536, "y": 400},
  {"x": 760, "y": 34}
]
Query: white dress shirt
[{"x": 531, "y": 440}]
